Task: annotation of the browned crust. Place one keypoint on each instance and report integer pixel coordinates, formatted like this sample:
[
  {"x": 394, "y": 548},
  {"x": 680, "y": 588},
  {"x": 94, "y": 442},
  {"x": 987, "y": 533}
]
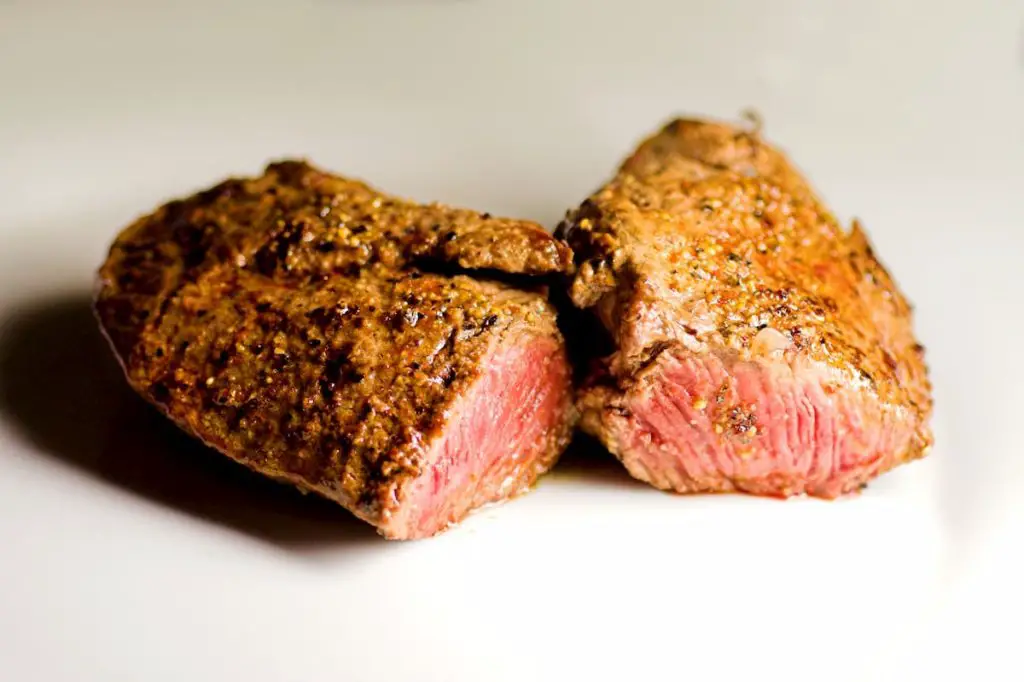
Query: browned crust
[
  {"x": 706, "y": 236},
  {"x": 287, "y": 321}
]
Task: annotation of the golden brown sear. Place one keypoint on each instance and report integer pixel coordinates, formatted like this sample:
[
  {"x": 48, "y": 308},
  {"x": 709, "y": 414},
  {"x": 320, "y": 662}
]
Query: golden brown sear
[{"x": 327, "y": 334}]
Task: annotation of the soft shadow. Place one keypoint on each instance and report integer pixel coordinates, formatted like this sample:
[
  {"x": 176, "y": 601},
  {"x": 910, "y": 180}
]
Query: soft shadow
[
  {"x": 587, "y": 461},
  {"x": 62, "y": 389}
]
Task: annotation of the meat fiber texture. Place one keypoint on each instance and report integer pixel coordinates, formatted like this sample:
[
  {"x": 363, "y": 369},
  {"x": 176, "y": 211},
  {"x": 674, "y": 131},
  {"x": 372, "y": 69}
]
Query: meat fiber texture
[
  {"x": 757, "y": 345},
  {"x": 350, "y": 343}
]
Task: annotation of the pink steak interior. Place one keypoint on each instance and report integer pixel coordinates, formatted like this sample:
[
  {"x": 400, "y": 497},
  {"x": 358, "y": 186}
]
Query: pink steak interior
[
  {"x": 505, "y": 431},
  {"x": 703, "y": 423}
]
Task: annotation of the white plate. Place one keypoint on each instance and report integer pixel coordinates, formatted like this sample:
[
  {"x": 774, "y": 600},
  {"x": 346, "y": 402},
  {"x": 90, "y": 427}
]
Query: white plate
[{"x": 126, "y": 554}]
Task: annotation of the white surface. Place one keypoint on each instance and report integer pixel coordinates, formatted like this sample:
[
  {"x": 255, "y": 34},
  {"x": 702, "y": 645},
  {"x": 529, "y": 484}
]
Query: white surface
[{"x": 124, "y": 556}]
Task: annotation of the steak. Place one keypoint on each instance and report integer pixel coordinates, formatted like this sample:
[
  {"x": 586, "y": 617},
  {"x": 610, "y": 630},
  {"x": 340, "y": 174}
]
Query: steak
[
  {"x": 330, "y": 336},
  {"x": 757, "y": 346}
]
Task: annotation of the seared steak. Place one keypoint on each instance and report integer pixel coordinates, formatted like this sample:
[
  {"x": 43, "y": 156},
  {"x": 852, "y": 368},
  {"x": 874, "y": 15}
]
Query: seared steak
[
  {"x": 758, "y": 346},
  {"x": 327, "y": 335}
]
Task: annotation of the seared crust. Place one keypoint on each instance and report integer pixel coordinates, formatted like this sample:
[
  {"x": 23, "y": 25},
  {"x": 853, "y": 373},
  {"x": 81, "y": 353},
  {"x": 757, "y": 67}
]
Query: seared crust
[
  {"x": 288, "y": 321},
  {"x": 706, "y": 237},
  {"x": 296, "y": 223}
]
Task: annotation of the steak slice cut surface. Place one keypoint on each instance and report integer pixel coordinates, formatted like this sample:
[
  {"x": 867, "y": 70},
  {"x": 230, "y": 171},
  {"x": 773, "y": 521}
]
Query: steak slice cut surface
[
  {"x": 758, "y": 346},
  {"x": 328, "y": 335}
]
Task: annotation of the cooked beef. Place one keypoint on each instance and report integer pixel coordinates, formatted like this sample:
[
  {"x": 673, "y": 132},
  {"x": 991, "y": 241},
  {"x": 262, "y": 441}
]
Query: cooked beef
[
  {"x": 327, "y": 335},
  {"x": 758, "y": 346}
]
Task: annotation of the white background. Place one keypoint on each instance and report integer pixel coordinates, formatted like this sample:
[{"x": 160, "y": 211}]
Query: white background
[{"x": 126, "y": 554}]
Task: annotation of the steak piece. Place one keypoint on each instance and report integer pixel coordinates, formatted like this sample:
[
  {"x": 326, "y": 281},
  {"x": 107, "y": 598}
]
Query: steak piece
[
  {"x": 758, "y": 347},
  {"x": 326, "y": 335}
]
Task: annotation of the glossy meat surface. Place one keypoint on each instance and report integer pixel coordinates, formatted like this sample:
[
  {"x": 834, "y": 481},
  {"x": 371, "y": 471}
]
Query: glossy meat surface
[
  {"x": 310, "y": 327},
  {"x": 759, "y": 345}
]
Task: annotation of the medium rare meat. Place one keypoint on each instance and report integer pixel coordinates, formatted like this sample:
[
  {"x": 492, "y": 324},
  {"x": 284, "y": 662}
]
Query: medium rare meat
[
  {"x": 758, "y": 346},
  {"x": 328, "y": 335}
]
